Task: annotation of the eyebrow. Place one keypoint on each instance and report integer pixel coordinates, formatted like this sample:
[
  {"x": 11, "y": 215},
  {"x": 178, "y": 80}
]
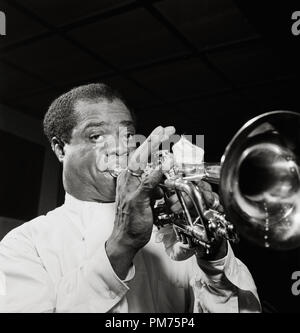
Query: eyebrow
[
  {"x": 94, "y": 124},
  {"x": 103, "y": 123},
  {"x": 127, "y": 123}
]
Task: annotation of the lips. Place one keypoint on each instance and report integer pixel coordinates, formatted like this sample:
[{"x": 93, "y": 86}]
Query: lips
[{"x": 111, "y": 163}]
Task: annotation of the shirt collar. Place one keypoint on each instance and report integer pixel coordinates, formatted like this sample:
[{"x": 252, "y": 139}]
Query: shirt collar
[
  {"x": 74, "y": 203},
  {"x": 90, "y": 217}
]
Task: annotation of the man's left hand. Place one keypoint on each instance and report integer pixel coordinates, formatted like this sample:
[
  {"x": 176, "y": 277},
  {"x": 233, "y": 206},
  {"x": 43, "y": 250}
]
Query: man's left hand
[{"x": 180, "y": 247}]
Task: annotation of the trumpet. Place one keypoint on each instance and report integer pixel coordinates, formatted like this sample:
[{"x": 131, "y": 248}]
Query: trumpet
[
  {"x": 202, "y": 225},
  {"x": 259, "y": 187}
]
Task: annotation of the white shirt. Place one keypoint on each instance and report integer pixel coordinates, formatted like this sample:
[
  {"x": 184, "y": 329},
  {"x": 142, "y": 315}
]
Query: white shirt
[{"x": 58, "y": 263}]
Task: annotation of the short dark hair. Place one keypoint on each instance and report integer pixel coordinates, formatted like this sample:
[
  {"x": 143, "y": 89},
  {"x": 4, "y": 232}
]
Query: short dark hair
[{"x": 60, "y": 118}]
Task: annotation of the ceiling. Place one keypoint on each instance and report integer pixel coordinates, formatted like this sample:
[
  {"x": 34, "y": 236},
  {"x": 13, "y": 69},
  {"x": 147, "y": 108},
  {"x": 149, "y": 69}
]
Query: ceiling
[
  {"x": 205, "y": 66},
  {"x": 195, "y": 64}
]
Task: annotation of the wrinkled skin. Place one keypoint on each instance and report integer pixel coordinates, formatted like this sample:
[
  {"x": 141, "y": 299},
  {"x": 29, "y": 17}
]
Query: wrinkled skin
[{"x": 99, "y": 127}]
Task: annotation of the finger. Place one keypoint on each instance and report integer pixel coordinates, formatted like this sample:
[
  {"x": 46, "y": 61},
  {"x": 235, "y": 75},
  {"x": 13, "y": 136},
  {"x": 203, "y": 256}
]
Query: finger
[
  {"x": 184, "y": 239},
  {"x": 126, "y": 181},
  {"x": 149, "y": 183},
  {"x": 212, "y": 201},
  {"x": 157, "y": 193},
  {"x": 190, "y": 242},
  {"x": 176, "y": 233},
  {"x": 220, "y": 209},
  {"x": 185, "y": 246},
  {"x": 173, "y": 199},
  {"x": 180, "y": 237},
  {"x": 176, "y": 208},
  {"x": 168, "y": 131},
  {"x": 203, "y": 185},
  {"x": 209, "y": 198},
  {"x": 175, "y": 204},
  {"x": 166, "y": 161},
  {"x": 140, "y": 157}
]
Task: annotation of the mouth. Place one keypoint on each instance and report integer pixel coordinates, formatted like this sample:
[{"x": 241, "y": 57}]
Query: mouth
[
  {"x": 108, "y": 174},
  {"x": 116, "y": 171},
  {"x": 112, "y": 167}
]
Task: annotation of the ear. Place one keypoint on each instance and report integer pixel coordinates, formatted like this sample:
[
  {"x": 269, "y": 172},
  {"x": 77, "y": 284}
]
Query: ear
[{"x": 57, "y": 146}]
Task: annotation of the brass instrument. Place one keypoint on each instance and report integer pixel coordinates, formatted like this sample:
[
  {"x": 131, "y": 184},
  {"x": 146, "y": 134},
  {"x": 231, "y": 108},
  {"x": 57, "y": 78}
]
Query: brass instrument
[
  {"x": 202, "y": 225},
  {"x": 259, "y": 182}
]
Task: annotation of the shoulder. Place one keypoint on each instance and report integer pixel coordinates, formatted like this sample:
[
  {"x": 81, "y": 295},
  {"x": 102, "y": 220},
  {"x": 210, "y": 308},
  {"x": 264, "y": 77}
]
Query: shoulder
[{"x": 28, "y": 230}]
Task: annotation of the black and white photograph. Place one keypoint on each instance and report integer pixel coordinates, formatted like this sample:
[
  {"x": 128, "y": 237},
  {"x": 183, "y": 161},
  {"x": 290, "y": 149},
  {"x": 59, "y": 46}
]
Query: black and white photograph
[{"x": 149, "y": 159}]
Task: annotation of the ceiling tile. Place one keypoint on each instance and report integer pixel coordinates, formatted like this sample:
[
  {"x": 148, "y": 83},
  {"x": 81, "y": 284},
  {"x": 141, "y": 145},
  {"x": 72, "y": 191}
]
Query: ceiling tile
[
  {"x": 249, "y": 63},
  {"x": 14, "y": 82},
  {"x": 180, "y": 80},
  {"x": 129, "y": 39},
  {"x": 56, "y": 60},
  {"x": 218, "y": 118},
  {"x": 60, "y": 12},
  {"x": 37, "y": 104},
  {"x": 136, "y": 96},
  {"x": 282, "y": 95},
  {"x": 149, "y": 118},
  {"x": 207, "y": 22},
  {"x": 18, "y": 26}
]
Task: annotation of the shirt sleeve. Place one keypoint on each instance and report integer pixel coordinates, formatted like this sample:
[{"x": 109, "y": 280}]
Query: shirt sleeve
[
  {"x": 93, "y": 287},
  {"x": 224, "y": 285},
  {"x": 27, "y": 285}
]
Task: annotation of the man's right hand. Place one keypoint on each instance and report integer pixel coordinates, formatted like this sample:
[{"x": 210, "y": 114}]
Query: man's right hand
[{"x": 134, "y": 219}]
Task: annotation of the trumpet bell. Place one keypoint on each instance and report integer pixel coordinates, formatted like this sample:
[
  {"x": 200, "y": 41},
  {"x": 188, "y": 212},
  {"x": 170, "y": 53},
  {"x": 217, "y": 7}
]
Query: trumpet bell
[{"x": 260, "y": 180}]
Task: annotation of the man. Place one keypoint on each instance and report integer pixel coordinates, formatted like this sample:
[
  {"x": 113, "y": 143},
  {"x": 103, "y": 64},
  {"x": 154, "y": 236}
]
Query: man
[{"x": 98, "y": 252}]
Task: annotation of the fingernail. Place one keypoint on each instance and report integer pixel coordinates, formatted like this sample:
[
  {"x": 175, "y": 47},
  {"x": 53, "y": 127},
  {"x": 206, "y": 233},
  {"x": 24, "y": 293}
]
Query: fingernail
[
  {"x": 158, "y": 130},
  {"x": 170, "y": 130}
]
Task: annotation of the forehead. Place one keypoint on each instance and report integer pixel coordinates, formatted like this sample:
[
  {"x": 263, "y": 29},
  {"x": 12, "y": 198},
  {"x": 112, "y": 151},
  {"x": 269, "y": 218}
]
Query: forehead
[{"x": 102, "y": 111}]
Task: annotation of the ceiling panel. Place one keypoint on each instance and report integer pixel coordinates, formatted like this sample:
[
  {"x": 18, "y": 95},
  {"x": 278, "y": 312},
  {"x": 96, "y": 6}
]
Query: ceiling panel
[
  {"x": 207, "y": 22},
  {"x": 18, "y": 26},
  {"x": 56, "y": 60},
  {"x": 13, "y": 82},
  {"x": 151, "y": 117},
  {"x": 218, "y": 118},
  {"x": 135, "y": 95},
  {"x": 210, "y": 114},
  {"x": 129, "y": 39},
  {"x": 282, "y": 95},
  {"x": 60, "y": 12},
  {"x": 249, "y": 63},
  {"x": 36, "y": 105},
  {"x": 180, "y": 80}
]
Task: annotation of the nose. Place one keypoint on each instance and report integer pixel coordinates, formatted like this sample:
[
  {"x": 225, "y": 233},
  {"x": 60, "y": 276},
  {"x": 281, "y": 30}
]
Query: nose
[{"x": 117, "y": 145}]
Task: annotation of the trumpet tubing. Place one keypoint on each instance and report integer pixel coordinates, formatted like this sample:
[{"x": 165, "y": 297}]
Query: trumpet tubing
[{"x": 259, "y": 184}]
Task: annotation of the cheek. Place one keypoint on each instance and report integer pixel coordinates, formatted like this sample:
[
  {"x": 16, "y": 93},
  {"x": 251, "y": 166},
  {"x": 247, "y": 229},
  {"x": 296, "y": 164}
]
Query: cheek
[
  {"x": 107, "y": 185},
  {"x": 80, "y": 160}
]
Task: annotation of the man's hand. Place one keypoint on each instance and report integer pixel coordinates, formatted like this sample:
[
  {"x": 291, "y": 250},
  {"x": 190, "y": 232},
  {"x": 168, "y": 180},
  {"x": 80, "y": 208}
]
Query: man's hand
[
  {"x": 179, "y": 247},
  {"x": 134, "y": 220}
]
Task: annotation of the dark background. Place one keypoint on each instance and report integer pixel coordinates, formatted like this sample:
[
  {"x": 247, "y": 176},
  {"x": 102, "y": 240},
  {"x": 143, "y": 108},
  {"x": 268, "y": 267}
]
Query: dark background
[{"x": 204, "y": 66}]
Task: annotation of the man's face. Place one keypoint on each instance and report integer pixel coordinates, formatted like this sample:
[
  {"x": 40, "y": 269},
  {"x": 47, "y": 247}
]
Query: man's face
[{"x": 99, "y": 142}]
